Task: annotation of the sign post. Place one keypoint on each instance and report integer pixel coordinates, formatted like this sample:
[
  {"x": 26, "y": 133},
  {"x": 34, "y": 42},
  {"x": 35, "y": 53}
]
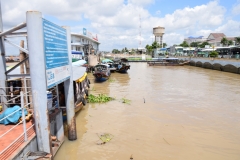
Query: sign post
[{"x": 49, "y": 56}]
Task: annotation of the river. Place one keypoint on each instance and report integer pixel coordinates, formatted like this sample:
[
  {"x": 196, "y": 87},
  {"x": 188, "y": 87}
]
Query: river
[{"x": 180, "y": 112}]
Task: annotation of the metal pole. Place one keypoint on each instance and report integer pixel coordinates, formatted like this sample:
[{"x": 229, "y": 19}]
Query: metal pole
[
  {"x": 69, "y": 95},
  {"x": 2, "y": 64},
  {"x": 38, "y": 79},
  {"x": 23, "y": 117}
]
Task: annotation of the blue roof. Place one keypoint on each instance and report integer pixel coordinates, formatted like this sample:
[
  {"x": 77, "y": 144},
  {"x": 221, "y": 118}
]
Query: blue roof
[{"x": 191, "y": 37}]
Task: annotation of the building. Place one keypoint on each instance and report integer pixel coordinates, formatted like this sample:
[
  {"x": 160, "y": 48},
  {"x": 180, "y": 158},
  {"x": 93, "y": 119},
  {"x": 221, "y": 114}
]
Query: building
[
  {"x": 214, "y": 39},
  {"x": 84, "y": 43},
  {"x": 191, "y": 39}
]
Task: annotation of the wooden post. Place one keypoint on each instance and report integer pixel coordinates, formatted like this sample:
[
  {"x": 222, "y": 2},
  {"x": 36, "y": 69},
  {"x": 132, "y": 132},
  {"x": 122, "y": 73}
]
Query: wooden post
[{"x": 27, "y": 67}]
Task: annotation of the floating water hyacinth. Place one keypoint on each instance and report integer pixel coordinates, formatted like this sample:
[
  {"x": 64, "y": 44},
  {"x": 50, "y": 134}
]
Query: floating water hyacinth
[
  {"x": 127, "y": 101},
  {"x": 106, "y": 137},
  {"x": 101, "y": 98}
]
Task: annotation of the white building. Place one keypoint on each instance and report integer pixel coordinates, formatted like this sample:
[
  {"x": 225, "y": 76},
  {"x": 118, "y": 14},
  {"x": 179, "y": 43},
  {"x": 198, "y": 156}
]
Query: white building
[
  {"x": 84, "y": 43},
  {"x": 191, "y": 39}
]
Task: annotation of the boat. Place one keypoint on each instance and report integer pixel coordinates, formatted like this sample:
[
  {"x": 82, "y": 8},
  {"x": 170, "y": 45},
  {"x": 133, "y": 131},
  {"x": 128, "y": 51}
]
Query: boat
[
  {"x": 101, "y": 72},
  {"x": 121, "y": 65},
  {"x": 166, "y": 62},
  {"x": 81, "y": 85},
  {"x": 110, "y": 64}
]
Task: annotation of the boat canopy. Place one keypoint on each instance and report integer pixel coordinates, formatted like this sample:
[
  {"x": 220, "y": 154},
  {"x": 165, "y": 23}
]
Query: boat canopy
[{"x": 79, "y": 73}]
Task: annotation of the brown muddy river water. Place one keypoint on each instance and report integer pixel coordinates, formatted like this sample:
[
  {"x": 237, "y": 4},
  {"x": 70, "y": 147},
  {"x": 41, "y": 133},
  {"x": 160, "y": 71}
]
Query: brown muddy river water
[{"x": 189, "y": 113}]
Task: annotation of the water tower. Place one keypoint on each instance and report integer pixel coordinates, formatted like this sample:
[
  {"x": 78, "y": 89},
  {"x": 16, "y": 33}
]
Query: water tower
[{"x": 158, "y": 32}]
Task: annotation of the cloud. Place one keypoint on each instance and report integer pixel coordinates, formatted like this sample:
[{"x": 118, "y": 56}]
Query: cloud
[
  {"x": 117, "y": 22},
  {"x": 140, "y": 2},
  {"x": 231, "y": 28},
  {"x": 236, "y": 9}
]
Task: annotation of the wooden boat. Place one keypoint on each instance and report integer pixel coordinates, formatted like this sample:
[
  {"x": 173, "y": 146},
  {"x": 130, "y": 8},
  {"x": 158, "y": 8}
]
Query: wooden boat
[
  {"x": 166, "y": 62},
  {"x": 110, "y": 64},
  {"x": 121, "y": 65},
  {"x": 101, "y": 72},
  {"x": 81, "y": 87}
]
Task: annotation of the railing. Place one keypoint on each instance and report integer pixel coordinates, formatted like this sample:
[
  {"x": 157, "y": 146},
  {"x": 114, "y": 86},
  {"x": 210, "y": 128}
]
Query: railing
[{"x": 23, "y": 121}]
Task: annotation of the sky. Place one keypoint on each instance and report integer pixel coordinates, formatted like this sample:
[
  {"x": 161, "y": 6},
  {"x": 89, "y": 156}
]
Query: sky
[{"x": 117, "y": 22}]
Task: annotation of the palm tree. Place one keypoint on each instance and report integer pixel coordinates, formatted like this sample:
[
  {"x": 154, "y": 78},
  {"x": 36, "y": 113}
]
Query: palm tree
[{"x": 164, "y": 45}]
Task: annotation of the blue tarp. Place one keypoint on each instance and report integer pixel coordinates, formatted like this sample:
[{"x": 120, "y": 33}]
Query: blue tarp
[{"x": 14, "y": 117}]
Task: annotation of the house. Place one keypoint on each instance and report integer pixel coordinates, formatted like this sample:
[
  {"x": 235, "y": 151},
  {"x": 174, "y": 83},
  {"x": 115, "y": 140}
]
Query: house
[{"x": 214, "y": 39}]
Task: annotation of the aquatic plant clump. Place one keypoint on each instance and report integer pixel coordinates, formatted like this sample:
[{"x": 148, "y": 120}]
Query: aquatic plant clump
[
  {"x": 127, "y": 101},
  {"x": 101, "y": 98}
]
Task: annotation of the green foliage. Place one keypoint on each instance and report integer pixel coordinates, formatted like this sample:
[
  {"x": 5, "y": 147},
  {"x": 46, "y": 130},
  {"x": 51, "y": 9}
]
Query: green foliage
[
  {"x": 237, "y": 39},
  {"x": 164, "y": 45},
  {"x": 134, "y": 59},
  {"x": 213, "y": 54},
  {"x": 127, "y": 101},
  {"x": 203, "y": 44},
  {"x": 224, "y": 41},
  {"x": 149, "y": 48},
  {"x": 230, "y": 42},
  {"x": 155, "y": 45},
  {"x": 184, "y": 44},
  {"x": 194, "y": 44},
  {"x": 115, "y": 51},
  {"x": 101, "y": 98}
]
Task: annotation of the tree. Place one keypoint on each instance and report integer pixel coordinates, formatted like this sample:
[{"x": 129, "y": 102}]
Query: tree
[
  {"x": 149, "y": 48},
  {"x": 224, "y": 41},
  {"x": 203, "y": 44},
  {"x": 155, "y": 45},
  {"x": 184, "y": 44},
  {"x": 164, "y": 45},
  {"x": 115, "y": 51},
  {"x": 230, "y": 42},
  {"x": 237, "y": 39},
  {"x": 194, "y": 44},
  {"x": 213, "y": 54}
]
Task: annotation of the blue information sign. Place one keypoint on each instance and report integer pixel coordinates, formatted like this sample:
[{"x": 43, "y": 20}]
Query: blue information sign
[
  {"x": 56, "y": 53},
  {"x": 55, "y": 45}
]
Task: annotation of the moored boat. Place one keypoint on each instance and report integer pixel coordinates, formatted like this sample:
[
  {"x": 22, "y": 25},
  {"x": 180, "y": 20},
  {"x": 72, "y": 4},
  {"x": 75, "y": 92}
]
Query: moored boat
[
  {"x": 101, "y": 72},
  {"x": 121, "y": 65},
  {"x": 81, "y": 85}
]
